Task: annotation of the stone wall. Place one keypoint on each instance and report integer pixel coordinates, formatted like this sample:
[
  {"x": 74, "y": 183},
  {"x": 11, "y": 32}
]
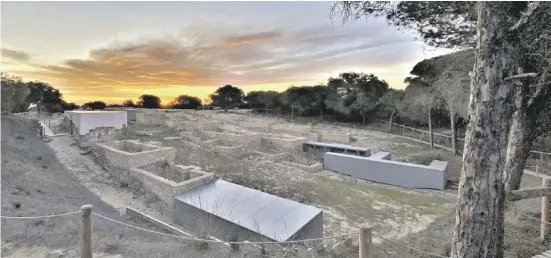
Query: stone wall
[
  {"x": 230, "y": 150},
  {"x": 311, "y": 168},
  {"x": 166, "y": 189},
  {"x": 336, "y": 137},
  {"x": 274, "y": 157},
  {"x": 288, "y": 143},
  {"x": 124, "y": 159}
]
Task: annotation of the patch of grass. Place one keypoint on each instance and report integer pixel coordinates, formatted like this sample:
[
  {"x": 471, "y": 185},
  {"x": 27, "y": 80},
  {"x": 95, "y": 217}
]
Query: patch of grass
[
  {"x": 426, "y": 157},
  {"x": 360, "y": 196},
  {"x": 110, "y": 247}
]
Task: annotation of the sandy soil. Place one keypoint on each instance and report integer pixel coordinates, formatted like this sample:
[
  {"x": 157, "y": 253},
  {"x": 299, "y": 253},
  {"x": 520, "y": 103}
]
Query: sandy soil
[{"x": 347, "y": 202}]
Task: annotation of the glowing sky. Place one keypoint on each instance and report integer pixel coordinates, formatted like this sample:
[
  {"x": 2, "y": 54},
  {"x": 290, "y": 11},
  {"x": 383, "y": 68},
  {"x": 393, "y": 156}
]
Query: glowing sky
[{"x": 113, "y": 51}]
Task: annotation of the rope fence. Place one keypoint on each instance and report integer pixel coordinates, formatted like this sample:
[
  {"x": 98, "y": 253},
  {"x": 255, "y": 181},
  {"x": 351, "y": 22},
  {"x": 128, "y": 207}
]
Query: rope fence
[
  {"x": 365, "y": 246},
  {"x": 43, "y": 216}
]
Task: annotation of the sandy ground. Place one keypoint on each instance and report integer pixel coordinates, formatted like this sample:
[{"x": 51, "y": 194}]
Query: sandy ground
[
  {"x": 394, "y": 212},
  {"x": 347, "y": 202}
]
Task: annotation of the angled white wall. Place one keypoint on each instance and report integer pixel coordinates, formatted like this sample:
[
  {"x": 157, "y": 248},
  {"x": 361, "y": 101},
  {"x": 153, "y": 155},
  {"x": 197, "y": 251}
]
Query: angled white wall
[
  {"x": 379, "y": 168},
  {"x": 85, "y": 121}
]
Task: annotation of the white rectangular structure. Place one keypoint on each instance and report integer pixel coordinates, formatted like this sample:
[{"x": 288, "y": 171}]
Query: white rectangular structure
[
  {"x": 379, "y": 169},
  {"x": 85, "y": 121}
]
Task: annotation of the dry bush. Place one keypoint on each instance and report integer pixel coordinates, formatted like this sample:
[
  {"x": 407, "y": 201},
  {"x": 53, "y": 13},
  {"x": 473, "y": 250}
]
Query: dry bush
[
  {"x": 201, "y": 245},
  {"x": 425, "y": 158}
]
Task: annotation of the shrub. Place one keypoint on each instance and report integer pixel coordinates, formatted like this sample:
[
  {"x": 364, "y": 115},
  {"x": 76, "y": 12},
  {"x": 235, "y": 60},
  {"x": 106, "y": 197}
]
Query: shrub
[{"x": 425, "y": 158}]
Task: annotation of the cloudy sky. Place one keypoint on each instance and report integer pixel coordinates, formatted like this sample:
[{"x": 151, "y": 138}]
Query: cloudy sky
[{"x": 113, "y": 51}]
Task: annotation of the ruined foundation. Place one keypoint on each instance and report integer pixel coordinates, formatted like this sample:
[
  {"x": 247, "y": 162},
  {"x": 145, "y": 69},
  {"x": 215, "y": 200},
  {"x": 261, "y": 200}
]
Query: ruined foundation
[{"x": 167, "y": 180}]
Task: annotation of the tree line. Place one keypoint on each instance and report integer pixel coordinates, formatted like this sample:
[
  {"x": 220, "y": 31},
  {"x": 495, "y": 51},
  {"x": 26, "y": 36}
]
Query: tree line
[{"x": 17, "y": 96}]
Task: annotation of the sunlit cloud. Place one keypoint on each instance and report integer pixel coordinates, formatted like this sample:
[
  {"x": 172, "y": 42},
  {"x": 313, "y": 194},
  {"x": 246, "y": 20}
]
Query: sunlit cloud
[
  {"x": 15, "y": 55},
  {"x": 197, "y": 64}
]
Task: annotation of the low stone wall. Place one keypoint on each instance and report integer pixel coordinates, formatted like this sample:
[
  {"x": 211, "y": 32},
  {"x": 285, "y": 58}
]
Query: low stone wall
[
  {"x": 292, "y": 143},
  {"x": 151, "y": 118},
  {"x": 312, "y": 168},
  {"x": 172, "y": 138},
  {"x": 336, "y": 137},
  {"x": 100, "y": 134},
  {"x": 274, "y": 157},
  {"x": 207, "y": 126},
  {"x": 213, "y": 142},
  {"x": 378, "y": 169},
  {"x": 190, "y": 138},
  {"x": 233, "y": 138},
  {"x": 291, "y": 129},
  {"x": 120, "y": 158},
  {"x": 166, "y": 189},
  {"x": 230, "y": 150}
]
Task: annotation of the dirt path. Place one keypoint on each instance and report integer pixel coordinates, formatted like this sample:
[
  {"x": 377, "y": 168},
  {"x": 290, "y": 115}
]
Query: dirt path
[{"x": 98, "y": 181}]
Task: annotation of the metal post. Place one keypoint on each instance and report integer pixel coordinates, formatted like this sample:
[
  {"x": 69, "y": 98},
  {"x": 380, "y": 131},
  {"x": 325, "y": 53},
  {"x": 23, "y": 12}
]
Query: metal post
[
  {"x": 86, "y": 232},
  {"x": 545, "y": 204},
  {"x": 365, "y": 242}
]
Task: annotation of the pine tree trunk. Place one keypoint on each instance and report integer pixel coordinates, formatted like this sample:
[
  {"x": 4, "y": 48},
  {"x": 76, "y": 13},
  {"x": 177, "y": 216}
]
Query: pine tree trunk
[
  {"x": 431, "y": 134},
  {"x": 517, "y": 152},
  {"x": 481, "y": 197},
  {"x": 518, "y": 147},
  {"x": 363, "y": 119},
  {"x": 390, "y": 121},
  {"x": 454, "y": 132},
  {"x": 292, "y": 113}
]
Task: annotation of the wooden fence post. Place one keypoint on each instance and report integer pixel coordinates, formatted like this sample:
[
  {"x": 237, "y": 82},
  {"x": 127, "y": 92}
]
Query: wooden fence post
[
  {"x": 86, "y": 232},
  {"x": 365, "y": 242},
  {"x": 545, "y": 205}
]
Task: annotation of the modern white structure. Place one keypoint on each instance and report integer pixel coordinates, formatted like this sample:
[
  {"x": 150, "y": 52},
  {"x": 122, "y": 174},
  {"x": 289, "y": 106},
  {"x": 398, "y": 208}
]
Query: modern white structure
[
  {"x": 379, "y": 168},
  {"x": 224, "y": 209},
  {"x": 85, "y": 121}
]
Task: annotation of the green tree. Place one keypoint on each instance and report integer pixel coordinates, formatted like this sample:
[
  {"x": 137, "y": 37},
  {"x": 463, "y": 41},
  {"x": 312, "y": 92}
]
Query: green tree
[
  {"x": 186, "y": 102},
  {"x": 14, "y": 93},
  {"x": 128, "y": 103},
  {"x": 227, "y": 96},
  {"x": 390, "y": 103},
  {"x": 95, "y": 105},
  {"x": 149, "y": 101}
]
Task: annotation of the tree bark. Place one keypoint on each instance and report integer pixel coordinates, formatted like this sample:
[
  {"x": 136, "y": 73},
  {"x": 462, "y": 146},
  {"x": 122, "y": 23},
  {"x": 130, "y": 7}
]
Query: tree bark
[
  {"x": 431, "y": 135},
  {"x": 517, "y": 147},
  {"x": 363, "y": 119},
  {"x": 454, "y": 132},
  {"x": 292, "y": 112},
  {"x": 481, "y": 197}
]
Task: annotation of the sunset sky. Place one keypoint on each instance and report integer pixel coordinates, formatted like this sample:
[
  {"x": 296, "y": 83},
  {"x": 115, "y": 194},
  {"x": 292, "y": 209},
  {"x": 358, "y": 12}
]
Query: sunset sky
[{"x": 113, "y": 51}]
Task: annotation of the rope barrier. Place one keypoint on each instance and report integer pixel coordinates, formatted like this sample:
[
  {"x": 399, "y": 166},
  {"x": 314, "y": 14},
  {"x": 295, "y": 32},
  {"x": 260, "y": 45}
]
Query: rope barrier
[
  {"x": 216, "y": 241},
  {"x": 409, "y": 247},
  {"x": 39, "y": 217}
]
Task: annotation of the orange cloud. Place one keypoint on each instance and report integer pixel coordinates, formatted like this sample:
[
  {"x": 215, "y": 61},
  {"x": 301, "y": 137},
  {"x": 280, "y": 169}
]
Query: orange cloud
[{"x": 194, "y": 66}]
